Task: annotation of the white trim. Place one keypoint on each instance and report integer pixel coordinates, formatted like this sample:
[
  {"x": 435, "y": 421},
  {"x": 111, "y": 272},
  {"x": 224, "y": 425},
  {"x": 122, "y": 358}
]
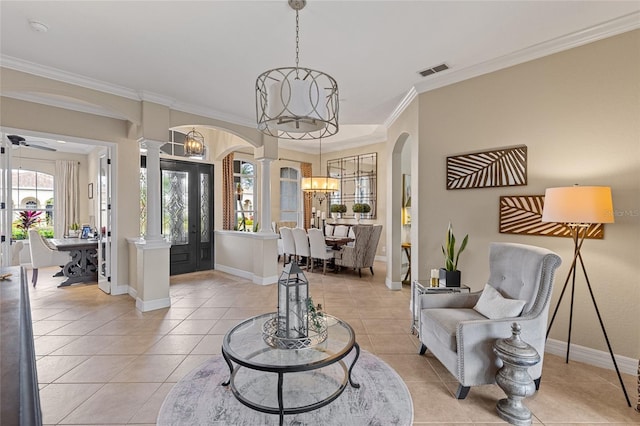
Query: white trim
[
  {"x": 393, "y": 285},
  {"x": 264, "y": 280},
  {"x": 133, "y": 292},
  {"x": 611, "y": 28},
  {"x": 65, "y": 104},
  {"x": 152, "y": 305},
  {"x": 380, "y": 259},
  {"x": 233, "y": 271},
  {"x": 404, "y": 103},
  {"x": 591, "y": 356},
  {"x": 120, "y": 289}
]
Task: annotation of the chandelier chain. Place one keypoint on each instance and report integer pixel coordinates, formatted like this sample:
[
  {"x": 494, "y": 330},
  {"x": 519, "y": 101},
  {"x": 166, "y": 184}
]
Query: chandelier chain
[{"x": 297, "y": 41}]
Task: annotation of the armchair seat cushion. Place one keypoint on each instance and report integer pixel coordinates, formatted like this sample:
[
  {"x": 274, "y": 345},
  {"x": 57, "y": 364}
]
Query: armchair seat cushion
[{"x": 444, "y": 323}]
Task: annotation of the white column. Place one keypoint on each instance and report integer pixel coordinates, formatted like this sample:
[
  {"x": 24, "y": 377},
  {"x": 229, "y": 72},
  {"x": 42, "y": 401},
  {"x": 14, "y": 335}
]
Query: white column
[
  {"x": 265, "y": 195},
  {"x": 153, "y": 189}
]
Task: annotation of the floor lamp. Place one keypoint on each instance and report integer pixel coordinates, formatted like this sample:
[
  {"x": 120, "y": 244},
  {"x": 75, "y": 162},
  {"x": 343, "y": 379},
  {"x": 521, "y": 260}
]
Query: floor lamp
[{"x": 581, "y": 208}]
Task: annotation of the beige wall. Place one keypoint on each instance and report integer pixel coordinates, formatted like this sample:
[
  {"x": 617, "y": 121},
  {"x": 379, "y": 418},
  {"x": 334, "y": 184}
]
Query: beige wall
[{"x": 578, "y": 112}]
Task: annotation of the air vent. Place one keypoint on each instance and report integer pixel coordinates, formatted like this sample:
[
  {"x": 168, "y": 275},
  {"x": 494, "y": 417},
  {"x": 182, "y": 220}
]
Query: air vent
[{"x": 437, "y": 68}]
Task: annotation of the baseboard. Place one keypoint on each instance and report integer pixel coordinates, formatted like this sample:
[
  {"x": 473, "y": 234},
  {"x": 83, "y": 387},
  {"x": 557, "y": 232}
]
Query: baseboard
[
  {"x": 265, "y": 280},
  {"x": 393, "y": 285},
  {"x": 152, "y": 305},
  {"x": 380, "y": 258},
  {"x": 120, "y": 289},
  {"x": 591, "y": 356},
  {"x": 133, "y": 292},
  {"x": 233, "y": 271}
]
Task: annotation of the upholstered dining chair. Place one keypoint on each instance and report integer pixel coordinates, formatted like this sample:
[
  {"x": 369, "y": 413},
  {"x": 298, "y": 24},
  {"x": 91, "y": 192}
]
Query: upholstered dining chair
[
  {"x": 459, "y": 329},
  {"x": 341, "y": 231},
  {"x": 288, "y": 244},
  {"x": 363, "y": 252},
  {"x": 302, "y": 245},
  {"x": 319, "y": 249},
  {"x": 43, "y": 256}
]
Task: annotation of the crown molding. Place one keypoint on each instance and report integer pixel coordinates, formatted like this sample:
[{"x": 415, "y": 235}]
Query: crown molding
[
  {"x": 404, "y": 103},
  {"x": 559, "y": 44},
  {"x": 601, "y": 31}
]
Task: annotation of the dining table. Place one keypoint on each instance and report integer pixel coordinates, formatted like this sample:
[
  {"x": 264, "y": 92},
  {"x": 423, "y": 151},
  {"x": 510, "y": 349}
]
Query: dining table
[
  {"x": 337, "y": 242},
  {"x": 83, "y": 266}
]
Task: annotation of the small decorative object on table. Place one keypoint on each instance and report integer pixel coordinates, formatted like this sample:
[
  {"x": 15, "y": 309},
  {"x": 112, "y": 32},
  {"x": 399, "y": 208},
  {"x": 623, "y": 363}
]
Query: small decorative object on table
[
  {"x": 299, "y": 324},
  {"x": 337, "y": 209},
  {"x": 513, "y": 378},
  {"x": 450, "y": 274}
]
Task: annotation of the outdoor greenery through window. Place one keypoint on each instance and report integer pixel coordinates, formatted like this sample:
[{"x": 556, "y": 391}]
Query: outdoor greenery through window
[
  {"x": 244, "y": 180},
  {"x": 289, "y": 194},
  {"x": 32, "y": 203}
]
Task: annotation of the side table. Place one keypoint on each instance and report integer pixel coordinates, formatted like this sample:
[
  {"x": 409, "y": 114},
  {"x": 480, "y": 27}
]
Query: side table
[{"x": 419, "y": 287}]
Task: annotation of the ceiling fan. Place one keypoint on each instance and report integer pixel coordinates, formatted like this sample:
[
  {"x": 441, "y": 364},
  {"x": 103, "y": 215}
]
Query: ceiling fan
[{"x": 20, "y": 141}]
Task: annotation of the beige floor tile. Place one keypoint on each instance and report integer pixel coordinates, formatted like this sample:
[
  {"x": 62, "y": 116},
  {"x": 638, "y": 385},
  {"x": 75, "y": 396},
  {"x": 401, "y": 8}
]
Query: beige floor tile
[
  {"x": 97, "y": 369},
  {"x": 77, "y": 328},
  {"x": 149, "y": 368},
  {"x": 148, "y": 413},
  {"x": 52, "y": 367},
  {"x": 222, "y": 326},
  {"x": 412, "y": 368},
  {"x": 193, "y": 327},
  {"x": 433, "y": 403},
  {"x": 44, "y": 345},
  {"x": 387, "y": 326},
  {"x": 58, "y": 400},
  {"x": 185, "y": 302},
  {"x": 243, "y": 313},
  {"x": 129, "y": 345},
  {"x": 40, "y": 328},
  {"x": 175, "y": 344},
  {"x": 207, "y": 313},
  {"x": 190, "y": 363},
  {"x": 392, "y": 344},
  {"x": 113, "y": 403},
  {"x": 211, "y": 344},
  {"x": 38, "y": 314}
]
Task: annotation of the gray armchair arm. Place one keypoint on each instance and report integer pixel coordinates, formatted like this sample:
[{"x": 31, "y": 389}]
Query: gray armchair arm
[{"x": 448, "y": 300}]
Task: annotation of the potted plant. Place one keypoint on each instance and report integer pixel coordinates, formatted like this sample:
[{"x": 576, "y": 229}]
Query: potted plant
[
  {"x": 337, "y": 209},
  {"x": 359, "y": 208},
  {"x": 27, "y": 219},
  {"x": 450, "y": 273},
  {"x": 74, "y": 230}
]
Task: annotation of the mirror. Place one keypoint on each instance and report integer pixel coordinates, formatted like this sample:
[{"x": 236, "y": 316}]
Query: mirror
[{"x": 358, "y": 182}]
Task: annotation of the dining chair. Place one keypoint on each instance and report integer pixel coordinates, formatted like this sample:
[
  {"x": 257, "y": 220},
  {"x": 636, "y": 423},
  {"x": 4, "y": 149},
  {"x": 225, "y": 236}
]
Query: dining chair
[
  {"x": 288, "y": 244},
  {"x": 302, "y": 245},
  {"x": 319, "y": 249},
  {"x": 43, "y": 256},
  {"x": 341, "y": 231}
]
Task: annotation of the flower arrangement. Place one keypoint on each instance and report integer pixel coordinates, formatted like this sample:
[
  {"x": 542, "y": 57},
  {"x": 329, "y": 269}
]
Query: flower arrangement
[{"x": 338, "y": 208}]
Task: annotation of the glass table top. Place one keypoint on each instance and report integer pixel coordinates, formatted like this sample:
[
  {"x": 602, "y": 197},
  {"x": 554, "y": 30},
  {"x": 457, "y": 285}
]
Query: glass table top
[{"x": 245, "y": 344}]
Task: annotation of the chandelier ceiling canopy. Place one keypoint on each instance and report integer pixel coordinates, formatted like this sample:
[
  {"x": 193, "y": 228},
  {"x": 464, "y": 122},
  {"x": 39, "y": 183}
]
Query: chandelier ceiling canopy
[{"x": 297, "y": 102}]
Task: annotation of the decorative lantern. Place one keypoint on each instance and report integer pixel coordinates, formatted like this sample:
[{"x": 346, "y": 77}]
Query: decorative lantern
[
  {"x": 291, "y": 328},
  {"x": 293, "y": 292}
]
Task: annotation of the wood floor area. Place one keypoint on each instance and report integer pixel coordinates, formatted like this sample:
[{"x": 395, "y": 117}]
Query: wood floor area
[{"x": 100, "y": 361}]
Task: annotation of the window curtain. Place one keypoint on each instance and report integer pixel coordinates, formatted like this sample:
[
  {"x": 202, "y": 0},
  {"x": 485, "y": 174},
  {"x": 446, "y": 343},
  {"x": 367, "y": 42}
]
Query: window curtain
[
  {"x": 307, "y": 199},
  {"x": 228, "y": 191},
  {"x": 67, "y": 197}
]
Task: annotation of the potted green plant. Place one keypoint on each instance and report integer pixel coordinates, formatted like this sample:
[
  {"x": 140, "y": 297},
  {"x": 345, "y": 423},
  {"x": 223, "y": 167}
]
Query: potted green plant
[
  {"x": 74, "y": 230},
  {"x": 26, "y": 220},
  {"x": 450, "y": 273},
  {"x": 337, "y": 209},
  {"x": 359, "y": 208}
]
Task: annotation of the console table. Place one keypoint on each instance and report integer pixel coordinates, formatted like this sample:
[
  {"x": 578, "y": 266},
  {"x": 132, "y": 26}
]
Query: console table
[{"x": 315, "y": 375}]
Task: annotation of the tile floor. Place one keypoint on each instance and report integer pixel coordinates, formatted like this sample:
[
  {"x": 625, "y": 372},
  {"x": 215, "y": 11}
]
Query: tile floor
[{"x": 100, "y": 361}]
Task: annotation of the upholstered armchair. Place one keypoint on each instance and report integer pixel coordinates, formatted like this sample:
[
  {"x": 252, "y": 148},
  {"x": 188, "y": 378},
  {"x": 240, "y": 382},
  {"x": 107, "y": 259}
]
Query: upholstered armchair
[
  {"x": 43, "y": 256},
  {"x": 462, "y": 338},
  {"x": 363, "y": 252}
]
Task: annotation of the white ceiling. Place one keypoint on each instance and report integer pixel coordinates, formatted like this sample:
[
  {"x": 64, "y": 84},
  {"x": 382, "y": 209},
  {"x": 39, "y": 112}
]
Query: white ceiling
[{"x": 204, "y": 56}]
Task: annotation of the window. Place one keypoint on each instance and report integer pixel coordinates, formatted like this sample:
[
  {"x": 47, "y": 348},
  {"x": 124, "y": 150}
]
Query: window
[
  {"x": 289, "y": 194},
  {"x": 32, "y": 195},
  {"x": 244, "y": 180}
]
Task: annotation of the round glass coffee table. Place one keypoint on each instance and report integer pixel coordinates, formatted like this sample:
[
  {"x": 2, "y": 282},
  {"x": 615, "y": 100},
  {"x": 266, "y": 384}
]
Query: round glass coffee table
[{"x": 315, "y": 376}]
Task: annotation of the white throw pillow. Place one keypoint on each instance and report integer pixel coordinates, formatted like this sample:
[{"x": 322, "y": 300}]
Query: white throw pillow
[{"x": 494, "y": 306}]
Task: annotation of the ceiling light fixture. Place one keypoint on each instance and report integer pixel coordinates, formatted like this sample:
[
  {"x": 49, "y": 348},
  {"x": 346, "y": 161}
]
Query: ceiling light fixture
[
  {"x": 295, "y": 102},
  {"x": 194, "y": 144},
  {"x": 320, "y": 186}
]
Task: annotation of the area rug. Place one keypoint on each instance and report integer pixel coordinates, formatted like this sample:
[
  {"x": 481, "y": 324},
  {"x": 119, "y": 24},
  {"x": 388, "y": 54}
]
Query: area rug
[{"x": 199, "y": 398}]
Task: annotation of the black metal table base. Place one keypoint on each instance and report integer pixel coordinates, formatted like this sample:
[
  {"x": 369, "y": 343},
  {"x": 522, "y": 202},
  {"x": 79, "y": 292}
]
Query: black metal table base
[{"x": 281, "y": 410}]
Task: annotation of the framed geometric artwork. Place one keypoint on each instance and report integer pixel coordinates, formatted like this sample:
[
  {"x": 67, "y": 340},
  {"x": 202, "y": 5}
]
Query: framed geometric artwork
[
  {"x": 488, "y": 169},
  {"x": 522, "y": 214}
]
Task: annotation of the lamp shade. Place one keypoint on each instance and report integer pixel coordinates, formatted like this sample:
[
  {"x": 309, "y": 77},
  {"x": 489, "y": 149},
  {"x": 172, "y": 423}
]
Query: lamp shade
[
  {"x": 578, "y": 204},
  {"x": 320, "y": 184}
]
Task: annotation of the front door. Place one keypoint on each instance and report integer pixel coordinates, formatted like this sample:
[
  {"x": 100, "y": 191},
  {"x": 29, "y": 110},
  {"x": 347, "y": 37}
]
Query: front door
[{"x": 187, "y": 214}]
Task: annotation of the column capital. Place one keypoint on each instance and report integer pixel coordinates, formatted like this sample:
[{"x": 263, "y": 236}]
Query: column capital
[{"x": 150, "y": 143}]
